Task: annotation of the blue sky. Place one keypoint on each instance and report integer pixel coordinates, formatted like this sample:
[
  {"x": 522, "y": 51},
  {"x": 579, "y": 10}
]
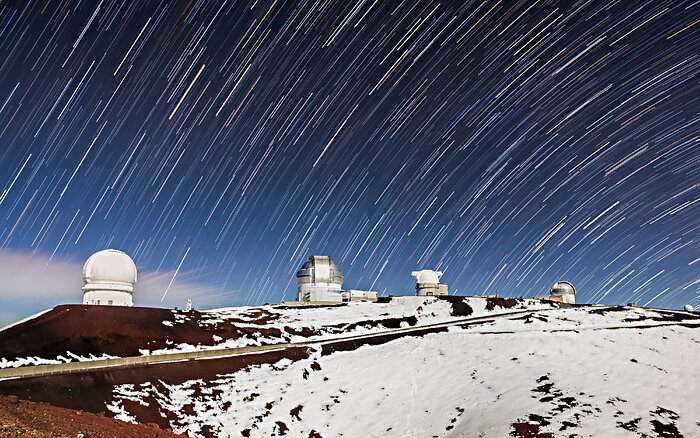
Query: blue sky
[{"x": 508, "y": 144}]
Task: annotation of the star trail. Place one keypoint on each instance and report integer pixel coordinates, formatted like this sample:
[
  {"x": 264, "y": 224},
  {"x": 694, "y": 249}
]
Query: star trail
[{"x": 508, "y": 144}]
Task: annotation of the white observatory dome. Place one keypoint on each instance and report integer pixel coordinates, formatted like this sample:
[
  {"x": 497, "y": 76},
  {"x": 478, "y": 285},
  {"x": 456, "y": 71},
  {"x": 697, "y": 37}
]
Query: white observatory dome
[
  {"x": 427, "y": 276},
  {"x": 109, "y": 278},
  {"x": 428, "y": 283}
]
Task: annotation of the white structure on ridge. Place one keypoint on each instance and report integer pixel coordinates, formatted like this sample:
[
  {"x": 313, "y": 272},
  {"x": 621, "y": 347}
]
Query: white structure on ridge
[
  {"x": 320, "y": 279},
  {"x": 564, "y": 292},
  {"x": 428, "y": 283},
  {"x": 109, "y": 278}
]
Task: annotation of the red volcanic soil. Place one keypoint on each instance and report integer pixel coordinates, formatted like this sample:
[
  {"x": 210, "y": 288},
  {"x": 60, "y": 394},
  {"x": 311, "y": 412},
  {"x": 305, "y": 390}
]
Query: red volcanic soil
[
  {"x": 120, "y": 331},
  {"x": 20, "y": 418}
]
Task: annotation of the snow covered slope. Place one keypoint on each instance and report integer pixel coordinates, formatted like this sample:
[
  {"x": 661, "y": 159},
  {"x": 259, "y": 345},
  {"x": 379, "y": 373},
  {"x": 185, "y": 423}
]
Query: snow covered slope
[
  {"x": 71, "y": 333},
  {"x": 582, "y": 372}
]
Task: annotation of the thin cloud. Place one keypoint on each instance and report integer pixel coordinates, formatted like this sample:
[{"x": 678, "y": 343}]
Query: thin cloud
[{"x": 31, "y": 283}]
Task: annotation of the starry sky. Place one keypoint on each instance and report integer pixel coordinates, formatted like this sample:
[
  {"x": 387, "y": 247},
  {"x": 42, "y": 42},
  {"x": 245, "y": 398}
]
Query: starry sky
[{"x": 508, "y": 144}]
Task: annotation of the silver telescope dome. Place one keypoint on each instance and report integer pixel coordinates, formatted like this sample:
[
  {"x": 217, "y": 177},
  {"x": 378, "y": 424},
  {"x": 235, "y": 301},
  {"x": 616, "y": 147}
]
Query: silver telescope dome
[
  {"x": 563, "y": 288},
  {"x": 320, "y": 270}
]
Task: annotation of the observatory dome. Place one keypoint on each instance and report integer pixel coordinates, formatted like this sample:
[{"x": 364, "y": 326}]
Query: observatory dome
[
  {"x": 320, "y": 270},
  {"x": 428, "y": 283},
  {"x": 427, "y": 276},
  {"x": 563, "y": 288},
  {"x": 109, "y": 278},
  {"x": 320, "y": 279}
]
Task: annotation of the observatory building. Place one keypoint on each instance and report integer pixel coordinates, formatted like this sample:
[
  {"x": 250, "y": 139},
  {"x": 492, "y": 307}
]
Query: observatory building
[
  {"x": 564, "y": 292},
  {"x": 321, "y": 280},
  {"x": 428, "y": 283},
  {"x": 109, "y": 278}
]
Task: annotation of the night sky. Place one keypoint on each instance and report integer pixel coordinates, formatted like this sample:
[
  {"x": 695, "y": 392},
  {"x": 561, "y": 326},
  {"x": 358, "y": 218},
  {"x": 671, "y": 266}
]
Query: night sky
[{"x": 508, "y": 144}]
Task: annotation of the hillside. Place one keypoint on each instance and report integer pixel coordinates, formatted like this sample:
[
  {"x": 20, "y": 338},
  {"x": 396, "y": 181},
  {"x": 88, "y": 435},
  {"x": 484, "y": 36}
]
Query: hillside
[
  {"x": 542, "y": 372},
  {"x": 75, "y": 332}
]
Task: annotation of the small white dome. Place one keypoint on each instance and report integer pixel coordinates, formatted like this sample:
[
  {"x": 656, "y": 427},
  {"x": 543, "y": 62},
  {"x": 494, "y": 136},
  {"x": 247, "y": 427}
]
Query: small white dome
[
  {"x": 427, "y": 276},
  {"x": 563, "y": 288},
  {"x": 109, "y": 267}
]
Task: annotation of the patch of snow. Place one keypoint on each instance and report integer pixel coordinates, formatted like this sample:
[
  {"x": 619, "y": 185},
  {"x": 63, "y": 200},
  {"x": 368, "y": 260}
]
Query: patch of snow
[
  {"x": 68, "y": 358},
  {"x": 117, "y": 408}
]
